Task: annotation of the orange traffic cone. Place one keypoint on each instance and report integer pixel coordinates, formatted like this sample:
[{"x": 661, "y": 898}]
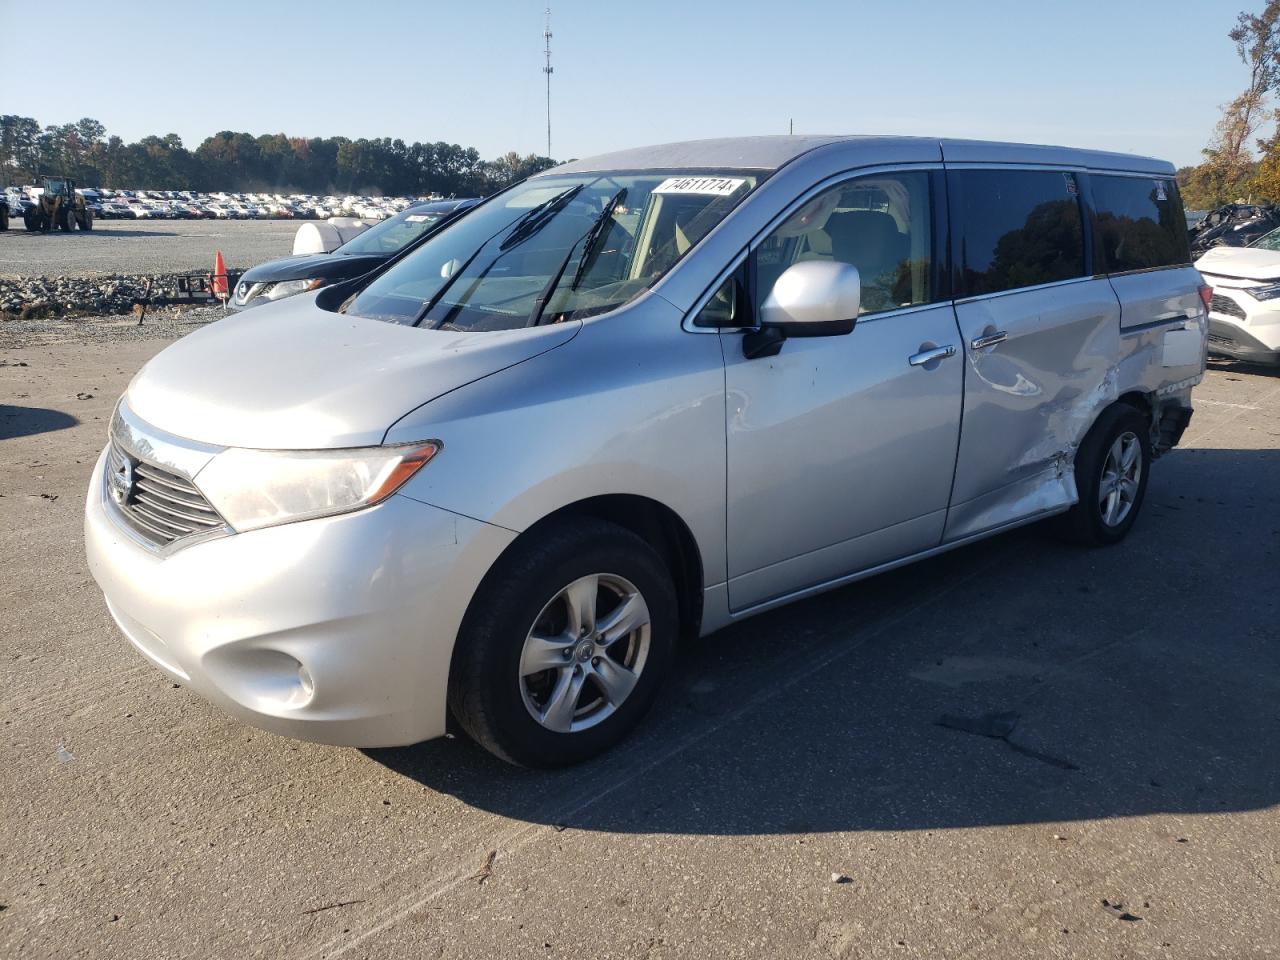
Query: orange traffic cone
[{"x": 219, "y": 284}]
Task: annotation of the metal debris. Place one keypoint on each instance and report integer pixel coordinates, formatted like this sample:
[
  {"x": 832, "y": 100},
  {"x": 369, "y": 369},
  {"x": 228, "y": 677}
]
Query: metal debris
[{"x": 1118, "y": 911}]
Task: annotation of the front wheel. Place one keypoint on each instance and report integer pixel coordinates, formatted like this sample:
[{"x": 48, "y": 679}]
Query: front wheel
[
  {"x": 565, "y": 644},
  {"x": 1112, "y": 468}
]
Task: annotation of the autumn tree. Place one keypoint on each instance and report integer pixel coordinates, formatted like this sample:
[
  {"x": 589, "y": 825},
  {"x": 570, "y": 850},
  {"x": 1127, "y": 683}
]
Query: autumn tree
[{"x": 1228, "y": 172}]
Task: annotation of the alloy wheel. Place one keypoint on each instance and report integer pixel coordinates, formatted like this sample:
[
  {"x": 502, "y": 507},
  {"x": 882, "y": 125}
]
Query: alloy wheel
[
  {"x": 585, "y": 653},
  {"x": 1121, "y": 475}
]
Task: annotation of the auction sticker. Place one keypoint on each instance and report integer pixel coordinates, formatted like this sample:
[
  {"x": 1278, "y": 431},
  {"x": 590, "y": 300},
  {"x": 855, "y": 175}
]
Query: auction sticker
[
  {"x": 417, "y": 218},
  {"x": 707, "y": 186}
]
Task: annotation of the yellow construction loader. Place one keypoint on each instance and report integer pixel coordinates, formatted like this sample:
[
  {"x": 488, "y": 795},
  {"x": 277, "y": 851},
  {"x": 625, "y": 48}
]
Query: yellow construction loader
[{"x": 59, "y": 206}]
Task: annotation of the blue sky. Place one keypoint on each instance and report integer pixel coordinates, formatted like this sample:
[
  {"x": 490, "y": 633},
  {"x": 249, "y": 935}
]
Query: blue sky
[{"x": 1122, "y": 75}]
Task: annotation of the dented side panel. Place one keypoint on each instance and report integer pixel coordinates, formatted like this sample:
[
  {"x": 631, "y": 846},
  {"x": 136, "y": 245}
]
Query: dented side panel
[{"x": 1030, "y": 398}]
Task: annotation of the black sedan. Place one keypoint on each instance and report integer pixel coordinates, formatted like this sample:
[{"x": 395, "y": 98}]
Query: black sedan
[{"x": 277, "y": 279}]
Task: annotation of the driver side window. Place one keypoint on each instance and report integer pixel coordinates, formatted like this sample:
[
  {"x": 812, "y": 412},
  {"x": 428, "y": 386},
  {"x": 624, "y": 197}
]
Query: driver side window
[{"x": 881, "y": 224}]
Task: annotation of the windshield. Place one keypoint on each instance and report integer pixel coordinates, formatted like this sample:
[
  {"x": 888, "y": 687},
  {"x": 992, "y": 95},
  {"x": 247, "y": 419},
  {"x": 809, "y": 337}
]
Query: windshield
[
  {"x": 552, "y": 249},
  {"x": 394, "y": 233},
  {"x": 1268, "y": 241}
]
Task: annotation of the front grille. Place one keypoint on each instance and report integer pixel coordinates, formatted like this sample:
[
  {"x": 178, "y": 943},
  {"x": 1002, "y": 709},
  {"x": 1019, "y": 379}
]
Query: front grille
[
  {"x": 1225, "y": 305},
  {"x": 161, "y": 505}
]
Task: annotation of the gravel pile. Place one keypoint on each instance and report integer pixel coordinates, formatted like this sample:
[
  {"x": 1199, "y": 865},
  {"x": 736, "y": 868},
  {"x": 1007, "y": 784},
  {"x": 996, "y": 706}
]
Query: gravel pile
[
  {"x": 167, "y": 323},
  {"x": 38, "y": 297}
]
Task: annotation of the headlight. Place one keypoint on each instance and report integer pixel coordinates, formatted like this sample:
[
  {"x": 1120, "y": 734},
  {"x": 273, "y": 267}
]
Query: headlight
[
  {"x": 258, "y": 488},
  {"x": 287, "y": 288},
  {"x": 1269, "y": 292}
]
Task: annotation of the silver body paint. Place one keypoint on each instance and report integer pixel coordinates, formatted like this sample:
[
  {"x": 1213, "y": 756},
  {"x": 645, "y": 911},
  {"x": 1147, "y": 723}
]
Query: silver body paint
[{"x": 831, "y": 461}]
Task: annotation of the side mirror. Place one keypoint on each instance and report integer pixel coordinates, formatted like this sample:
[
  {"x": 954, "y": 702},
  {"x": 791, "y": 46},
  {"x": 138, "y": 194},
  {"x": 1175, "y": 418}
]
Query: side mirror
[{"x": 814, "y": 298}]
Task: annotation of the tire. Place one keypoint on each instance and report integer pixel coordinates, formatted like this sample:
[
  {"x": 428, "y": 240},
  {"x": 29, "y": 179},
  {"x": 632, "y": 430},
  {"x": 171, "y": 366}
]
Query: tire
[
  {"x": 86, "y": 222},
  {"x": 31, "y": 221},
  {"x": 496, "y": 691},
  {"x": 4, "y": 218},
  {"x": 67, "y": 221},
  {"x": 1121, "y": 431}
]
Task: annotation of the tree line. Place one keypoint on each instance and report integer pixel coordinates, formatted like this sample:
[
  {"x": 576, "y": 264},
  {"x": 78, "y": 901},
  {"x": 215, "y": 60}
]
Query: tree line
[
  {"x": 1231, "y": 170},
  {"x": 240, "y": 162}
]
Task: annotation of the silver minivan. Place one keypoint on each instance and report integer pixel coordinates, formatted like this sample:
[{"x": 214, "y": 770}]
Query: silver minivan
[{"x": 635, "y": 399}]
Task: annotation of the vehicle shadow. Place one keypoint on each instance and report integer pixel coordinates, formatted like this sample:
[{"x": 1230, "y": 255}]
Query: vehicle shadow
[
  {"x": 29, "y": 421},
  {"x": 116, "y": 232},
  {"x": 1243, "y": 366},
  {"x": 98, "y": 231},
  {"x": 1019, "y": 680}
]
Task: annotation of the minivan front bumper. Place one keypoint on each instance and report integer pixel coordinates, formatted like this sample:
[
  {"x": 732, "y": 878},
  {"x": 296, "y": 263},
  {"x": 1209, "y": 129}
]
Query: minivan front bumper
[{"x": 338, "y": 630}]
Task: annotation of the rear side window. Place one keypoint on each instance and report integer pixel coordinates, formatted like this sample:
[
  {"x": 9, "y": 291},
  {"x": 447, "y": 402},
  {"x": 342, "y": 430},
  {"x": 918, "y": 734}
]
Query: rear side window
[
  {"x": 1016, "y": 228},
  {"x": 1141, "y": 225}
]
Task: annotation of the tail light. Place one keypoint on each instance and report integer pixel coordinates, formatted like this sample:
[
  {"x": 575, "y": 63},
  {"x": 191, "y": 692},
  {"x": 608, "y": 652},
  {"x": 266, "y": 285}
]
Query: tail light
[{"x": 1206, "y": 295}]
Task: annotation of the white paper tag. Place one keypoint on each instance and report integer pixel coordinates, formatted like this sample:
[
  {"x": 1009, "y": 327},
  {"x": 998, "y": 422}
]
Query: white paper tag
[
  {"x": 707, "y": 186},
  {"x": 1181, "y": 348},
  {"x": 1161, "y": 193},
  {"x": 417, "y": 218}
]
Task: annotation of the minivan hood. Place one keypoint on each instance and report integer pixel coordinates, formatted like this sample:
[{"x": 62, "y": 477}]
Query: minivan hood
[
  {"x": 291, "y": 376},
  {"x": 1247, "y": 263}
]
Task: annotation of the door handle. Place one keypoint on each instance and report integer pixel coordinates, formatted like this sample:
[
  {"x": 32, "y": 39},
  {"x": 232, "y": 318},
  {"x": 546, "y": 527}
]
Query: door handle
[
  {"x": 926, "y": 357},
  {"x": 989, "y": 340}
]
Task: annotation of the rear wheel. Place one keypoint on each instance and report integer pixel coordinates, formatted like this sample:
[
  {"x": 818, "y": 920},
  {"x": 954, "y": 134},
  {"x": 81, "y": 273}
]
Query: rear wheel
[
  {"x": 86, "y": 220},
  {"x": 67, "y": 220},
  {"x": 565, "y": 644},
  {"x": 4, "y": 218},
  {"x": 31, "y": 221},
  {"x": 1112, "y": 467}
]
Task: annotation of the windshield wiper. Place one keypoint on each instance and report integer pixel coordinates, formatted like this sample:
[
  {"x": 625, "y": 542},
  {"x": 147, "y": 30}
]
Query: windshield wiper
[
  {"x": 539, "y": 217},
  {"x": 524, "y": 228},
  {"x": 588, "y": 240},
  {"x": 594, "y": 234}
]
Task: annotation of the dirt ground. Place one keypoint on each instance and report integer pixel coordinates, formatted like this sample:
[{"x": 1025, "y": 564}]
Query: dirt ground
[
  {"x": 144, "y": 247},
  {"x": 1122, "y": 804}
]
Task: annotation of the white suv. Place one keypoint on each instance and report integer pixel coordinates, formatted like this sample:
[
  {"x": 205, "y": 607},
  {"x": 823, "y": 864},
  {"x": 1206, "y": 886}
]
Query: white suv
[{"x": 1244, "y": 316}]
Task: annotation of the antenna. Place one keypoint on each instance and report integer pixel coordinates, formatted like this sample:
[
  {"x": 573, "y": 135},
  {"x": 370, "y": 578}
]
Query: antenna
[{"x": 548, "y": 70}]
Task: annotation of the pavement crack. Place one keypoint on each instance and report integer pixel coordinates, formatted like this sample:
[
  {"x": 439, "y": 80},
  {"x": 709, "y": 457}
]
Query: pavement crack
[
  {"x": 486, "y": 868},
  {"x": 331, "y": 906},
  {"x": 1000, "y": 726}
]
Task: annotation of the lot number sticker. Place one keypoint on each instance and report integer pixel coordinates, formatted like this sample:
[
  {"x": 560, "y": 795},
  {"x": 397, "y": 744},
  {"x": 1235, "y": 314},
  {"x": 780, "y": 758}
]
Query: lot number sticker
[{"x": 707, "y": 186}]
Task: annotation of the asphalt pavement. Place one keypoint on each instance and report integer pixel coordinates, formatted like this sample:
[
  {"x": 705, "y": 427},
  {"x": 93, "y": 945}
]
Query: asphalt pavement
[{"x": 1020, "y": 748}]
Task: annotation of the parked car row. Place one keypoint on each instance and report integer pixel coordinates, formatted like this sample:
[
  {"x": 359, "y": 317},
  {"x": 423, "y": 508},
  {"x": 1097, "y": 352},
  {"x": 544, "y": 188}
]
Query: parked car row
[{"x": 194, "y": 205}]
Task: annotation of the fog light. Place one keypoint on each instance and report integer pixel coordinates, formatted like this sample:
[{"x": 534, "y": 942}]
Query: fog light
[{"x": 269, "y": 681}]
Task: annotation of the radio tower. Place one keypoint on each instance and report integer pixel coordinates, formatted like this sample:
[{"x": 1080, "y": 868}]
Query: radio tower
[{"x": 548, "y": 70}]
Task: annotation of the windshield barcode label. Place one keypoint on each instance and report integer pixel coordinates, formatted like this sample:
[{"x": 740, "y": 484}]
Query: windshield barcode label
[{"x": 711, "y": 186}]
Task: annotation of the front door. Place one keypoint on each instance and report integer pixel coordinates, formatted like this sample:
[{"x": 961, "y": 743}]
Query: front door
[{"x": 841, "y": 449}]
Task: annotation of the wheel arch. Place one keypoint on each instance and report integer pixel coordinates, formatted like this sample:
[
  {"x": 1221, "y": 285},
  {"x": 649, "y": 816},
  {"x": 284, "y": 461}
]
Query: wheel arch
[
  {"x": 1140, "y": 401},
  {"x": 655, "y": 523}
]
